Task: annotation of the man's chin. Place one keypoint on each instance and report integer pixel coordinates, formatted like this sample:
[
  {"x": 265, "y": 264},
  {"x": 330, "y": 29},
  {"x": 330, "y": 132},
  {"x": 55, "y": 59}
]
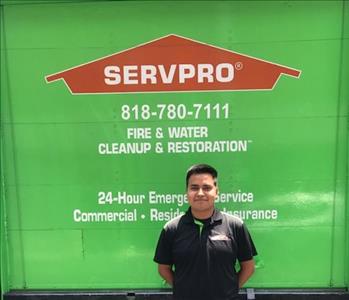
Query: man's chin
[{"x": 202, "y": 207}]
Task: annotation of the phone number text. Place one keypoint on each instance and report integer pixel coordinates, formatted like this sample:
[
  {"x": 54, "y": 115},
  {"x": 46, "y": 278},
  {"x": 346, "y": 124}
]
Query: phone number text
[{"x": 175, "y": 111}]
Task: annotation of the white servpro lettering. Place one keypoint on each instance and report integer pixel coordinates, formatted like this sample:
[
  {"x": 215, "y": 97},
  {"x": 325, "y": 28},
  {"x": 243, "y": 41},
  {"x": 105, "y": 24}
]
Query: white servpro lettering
[
  {"x": 159, "y": 215},
  {"x": 254, "y": 214},
  {"x": 123, "y": 148},
  {"x": 155, "y": 74},
  {"x": 188, "y": 132},
  {"x": 164, "y": 199},
  {"x": 93, "y": 216}
]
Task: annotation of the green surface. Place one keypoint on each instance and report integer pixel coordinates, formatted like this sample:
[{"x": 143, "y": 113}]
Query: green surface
[
  {"x": 344, "y": 109},
  {"x": 295, "y": 163},
  {"x": 3, "y": 212}
]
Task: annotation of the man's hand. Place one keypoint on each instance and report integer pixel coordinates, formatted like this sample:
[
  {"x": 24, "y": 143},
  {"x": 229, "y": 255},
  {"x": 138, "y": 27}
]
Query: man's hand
[
  {"x": 166, "y": 273},
  {"x": 246, "y": 271}
]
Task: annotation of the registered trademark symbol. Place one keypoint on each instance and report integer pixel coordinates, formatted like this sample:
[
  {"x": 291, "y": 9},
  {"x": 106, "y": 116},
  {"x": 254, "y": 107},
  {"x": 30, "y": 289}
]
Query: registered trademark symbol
[{"x": 239, "y": 65}]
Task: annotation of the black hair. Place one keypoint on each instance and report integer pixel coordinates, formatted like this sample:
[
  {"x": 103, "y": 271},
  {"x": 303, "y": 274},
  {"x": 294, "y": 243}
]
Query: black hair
[{"x": 201, "y": 169}]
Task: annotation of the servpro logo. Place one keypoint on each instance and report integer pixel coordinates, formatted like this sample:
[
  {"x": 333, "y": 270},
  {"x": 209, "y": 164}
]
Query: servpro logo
[
  {"x": 157, "y": 74},
  {"x": 173, "y": 64}
]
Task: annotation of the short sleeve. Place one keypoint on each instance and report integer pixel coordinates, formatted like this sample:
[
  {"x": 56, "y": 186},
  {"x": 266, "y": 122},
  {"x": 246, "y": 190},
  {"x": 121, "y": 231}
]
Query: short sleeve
[
  {"x": 163, "y": 252},
  {"x": 246, "y": 247}
]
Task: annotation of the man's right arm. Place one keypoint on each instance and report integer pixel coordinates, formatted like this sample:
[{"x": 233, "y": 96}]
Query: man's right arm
[{"x": 166, "y": 273}]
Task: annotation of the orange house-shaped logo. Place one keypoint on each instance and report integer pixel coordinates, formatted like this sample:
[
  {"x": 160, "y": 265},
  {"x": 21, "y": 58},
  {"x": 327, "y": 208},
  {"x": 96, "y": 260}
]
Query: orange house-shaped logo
[{"x": 173, "y": 64}]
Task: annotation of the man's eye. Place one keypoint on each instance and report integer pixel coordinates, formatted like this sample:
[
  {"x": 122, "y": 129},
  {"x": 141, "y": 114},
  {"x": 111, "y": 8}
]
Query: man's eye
[
  {"x": 207, "y": 188},
  {"x": 204, "y": 188}
]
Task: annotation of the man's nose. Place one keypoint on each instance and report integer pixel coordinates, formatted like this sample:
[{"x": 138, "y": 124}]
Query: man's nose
[{"x": 200, "y": 191}]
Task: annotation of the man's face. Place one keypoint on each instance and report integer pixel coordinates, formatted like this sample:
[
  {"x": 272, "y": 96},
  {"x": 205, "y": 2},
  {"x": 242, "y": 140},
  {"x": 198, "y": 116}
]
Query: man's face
[{"x": 201, "y": 193}]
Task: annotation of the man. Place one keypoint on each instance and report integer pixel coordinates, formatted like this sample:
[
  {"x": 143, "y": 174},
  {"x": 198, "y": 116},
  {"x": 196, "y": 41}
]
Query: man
[{"x": 196, "y": 252}]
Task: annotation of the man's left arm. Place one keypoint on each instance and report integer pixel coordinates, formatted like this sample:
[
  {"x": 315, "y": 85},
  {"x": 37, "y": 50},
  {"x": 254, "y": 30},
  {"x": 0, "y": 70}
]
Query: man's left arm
[
  {"x": 246, "y": 251},
  {"x": 246, "y": 270}
]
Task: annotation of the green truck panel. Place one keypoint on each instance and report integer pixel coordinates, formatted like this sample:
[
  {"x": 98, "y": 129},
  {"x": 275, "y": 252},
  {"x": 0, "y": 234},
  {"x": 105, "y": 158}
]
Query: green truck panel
[{"x": 293, "y": 166}]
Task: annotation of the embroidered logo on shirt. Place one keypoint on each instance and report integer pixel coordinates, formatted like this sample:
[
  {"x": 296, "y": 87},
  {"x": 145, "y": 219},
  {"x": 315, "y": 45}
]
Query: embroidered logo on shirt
[{"x": 219, "y": 237}]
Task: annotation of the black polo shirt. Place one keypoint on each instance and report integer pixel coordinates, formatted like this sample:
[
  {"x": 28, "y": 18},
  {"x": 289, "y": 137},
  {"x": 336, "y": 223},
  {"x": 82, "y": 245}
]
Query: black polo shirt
[{"x": 204, "y": 255}]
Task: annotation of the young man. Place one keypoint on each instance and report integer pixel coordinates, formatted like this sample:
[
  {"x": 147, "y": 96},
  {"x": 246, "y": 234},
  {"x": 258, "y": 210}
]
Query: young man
[{"x": 196, "y": 252}]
